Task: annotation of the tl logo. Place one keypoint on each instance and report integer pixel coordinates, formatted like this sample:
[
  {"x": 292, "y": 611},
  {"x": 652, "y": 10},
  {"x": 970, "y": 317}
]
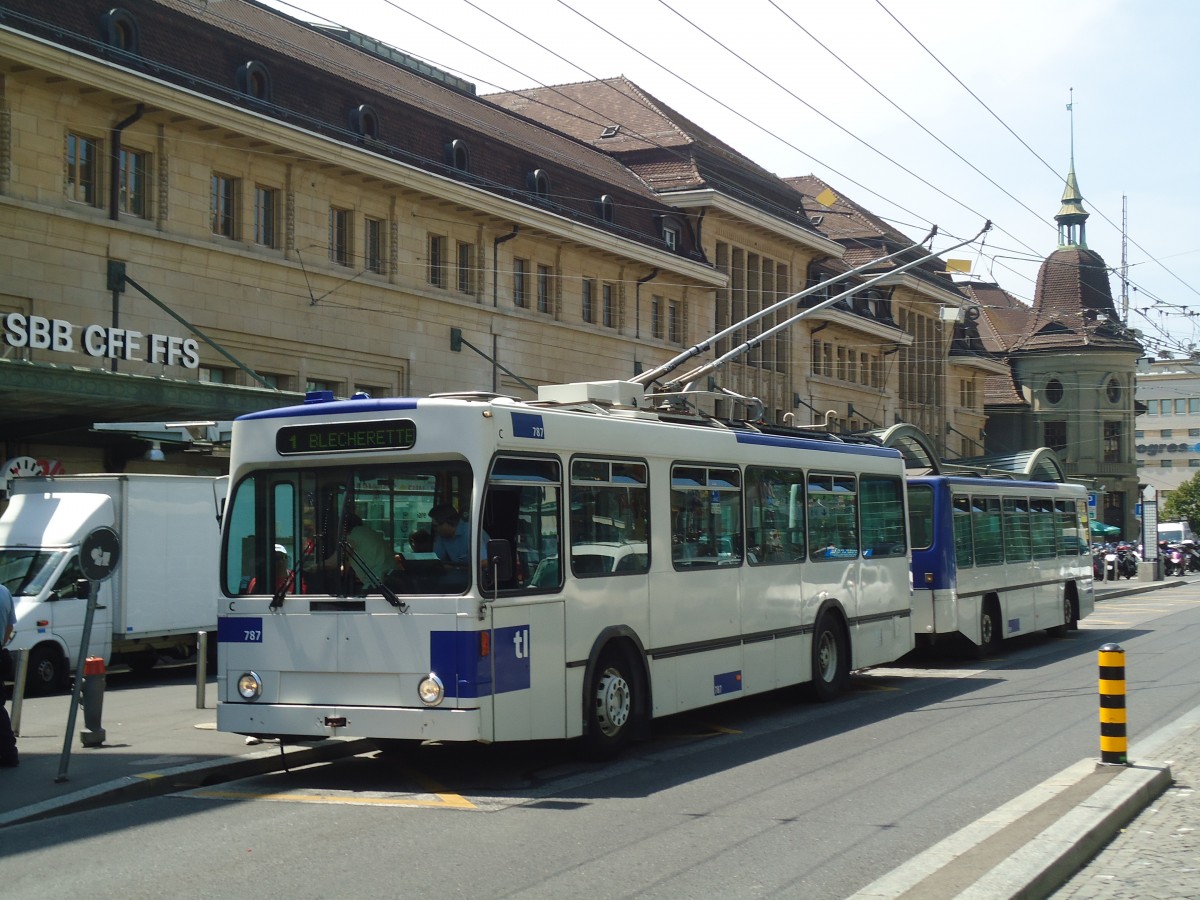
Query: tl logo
[{"x": 521, "y": 642}]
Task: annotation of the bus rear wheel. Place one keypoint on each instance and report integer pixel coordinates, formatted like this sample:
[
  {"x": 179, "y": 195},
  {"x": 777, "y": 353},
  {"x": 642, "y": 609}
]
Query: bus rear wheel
[
  {"x": 989, "y": 630},
  {"x": 611, "y": 707},
  {"x": 830, "y": 660}
]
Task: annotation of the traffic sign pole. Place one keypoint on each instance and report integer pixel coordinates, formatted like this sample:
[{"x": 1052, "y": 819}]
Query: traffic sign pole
[{"x": 98, "y": 557}]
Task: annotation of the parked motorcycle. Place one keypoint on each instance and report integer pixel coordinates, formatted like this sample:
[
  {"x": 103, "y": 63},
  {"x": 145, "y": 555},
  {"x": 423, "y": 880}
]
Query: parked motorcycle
[
  {"x": 1111, "y": 568},
  {"x": 1191, "y": 553},
  {"x": 1127, "y": 561}
]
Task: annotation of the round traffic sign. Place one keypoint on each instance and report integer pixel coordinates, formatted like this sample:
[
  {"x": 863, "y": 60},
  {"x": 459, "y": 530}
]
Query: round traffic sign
[{"x": 99, "y": 553}]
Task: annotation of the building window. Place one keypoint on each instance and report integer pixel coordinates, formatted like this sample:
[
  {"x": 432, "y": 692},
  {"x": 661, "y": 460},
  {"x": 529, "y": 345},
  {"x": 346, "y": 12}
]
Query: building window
[
  {"x": 82, "y": 156},
  {"x": 608, "y": 303},
  {"x": 224, "y": 205},
  {"x": 254, "y": 80},
  {"x": 373, "y": 244},
  {"x": 437, "y": 260},
  {"x": 1054, "y": 391},
  {"x": 1193, "y": 405},
  {"x": 134, "y": 176},
  {"x": 1139, "y": 434},
  {"x": 1112, "y": 390},
  {"x": 322, "y": 384},
  {"x": 120, "y": 30},
  {"x": 215, "y": 375},
  {"x": 520, "y": 283},
  {"x": 1054, "y": 436},
  {"x": 1166, "y": 432},
  {"x": 277, "y": 381},
  {"x": 674, "y": 326},
  {"x": 543, "y": 289},
  {"x": 1194, "y": 432},
  {"x": 458, "y": 155},
  {"x": 1180, "y": 407},
  {"x": 365, "y": 121},
  {"x": 671, "y": 237},
  {"x": 589, "y": 291},
  {"x": 1166, "y": 463},
  {"x": 465, "y": 267},
  {"x": 605, "y": 208},
  {"x": 656, "y": 317},
  {"x": 266, "y": 216},
  {"x": 339, "y": 236},
  {"x": 1112, "y": 442},
  {"x": 1194, "y": 463},
  {"x": 539, "y": 184}
]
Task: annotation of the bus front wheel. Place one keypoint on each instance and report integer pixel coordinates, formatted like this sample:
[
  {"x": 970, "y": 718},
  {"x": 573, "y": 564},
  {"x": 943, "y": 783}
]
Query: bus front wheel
[
  {"x": 612, "y": 706},
  {"x": 830, "y": 660}
]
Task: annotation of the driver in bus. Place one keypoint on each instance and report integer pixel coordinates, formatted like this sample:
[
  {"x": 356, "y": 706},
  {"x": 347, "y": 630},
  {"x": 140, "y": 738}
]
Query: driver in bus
[
  {"x": 371, "y": 558},
  {"x": 452, "y": 537}
]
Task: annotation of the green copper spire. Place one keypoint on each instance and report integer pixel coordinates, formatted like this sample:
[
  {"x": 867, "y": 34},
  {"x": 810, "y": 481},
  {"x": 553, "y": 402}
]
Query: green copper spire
[{"x": 1071, "y": 215}]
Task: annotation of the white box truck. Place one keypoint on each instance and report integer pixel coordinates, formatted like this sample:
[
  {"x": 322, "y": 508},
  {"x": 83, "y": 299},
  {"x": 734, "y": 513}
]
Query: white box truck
[{"x": 162, "y": 593}]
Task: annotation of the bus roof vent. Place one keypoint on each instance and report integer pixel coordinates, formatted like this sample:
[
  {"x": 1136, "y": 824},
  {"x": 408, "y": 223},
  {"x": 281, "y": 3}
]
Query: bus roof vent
[{"x": 611, "y": 393}]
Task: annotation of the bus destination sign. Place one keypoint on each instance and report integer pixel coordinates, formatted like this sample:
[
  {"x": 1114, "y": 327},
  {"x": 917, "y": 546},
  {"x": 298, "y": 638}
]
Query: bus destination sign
[{"x": 346, "y": 437}]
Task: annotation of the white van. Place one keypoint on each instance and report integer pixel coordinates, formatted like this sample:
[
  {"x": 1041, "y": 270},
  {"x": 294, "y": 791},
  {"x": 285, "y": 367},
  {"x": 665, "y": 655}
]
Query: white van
[{"x": 1174, "y": 532}]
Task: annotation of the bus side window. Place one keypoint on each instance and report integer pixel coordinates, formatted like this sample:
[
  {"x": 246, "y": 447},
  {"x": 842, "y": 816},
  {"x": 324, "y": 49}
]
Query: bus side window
[{"x": 522, "y": 506}]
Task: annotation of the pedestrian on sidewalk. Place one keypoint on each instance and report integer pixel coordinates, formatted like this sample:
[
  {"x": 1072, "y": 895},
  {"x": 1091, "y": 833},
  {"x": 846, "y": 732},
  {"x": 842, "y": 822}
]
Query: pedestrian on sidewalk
[{"x": 8, "y": 627}]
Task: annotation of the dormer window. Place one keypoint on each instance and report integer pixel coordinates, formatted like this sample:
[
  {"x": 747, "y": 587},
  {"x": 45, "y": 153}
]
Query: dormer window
[
  {"x": 539, "y": 184},
  {"x": 671, "y": 230},
  {"x": 254, "y": 80},
  {"x": 365, "y": 121},
  {"x": 458, "y": 155},
  {"x": 605, "y": 208},
  {"x": 120, "y": 30}
]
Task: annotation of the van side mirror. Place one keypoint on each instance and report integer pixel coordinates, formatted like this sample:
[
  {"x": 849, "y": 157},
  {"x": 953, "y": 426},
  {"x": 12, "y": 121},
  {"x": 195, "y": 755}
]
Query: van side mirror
[
  {"x": 499, "y": 554},
  {"x": 83, "y": 588}
]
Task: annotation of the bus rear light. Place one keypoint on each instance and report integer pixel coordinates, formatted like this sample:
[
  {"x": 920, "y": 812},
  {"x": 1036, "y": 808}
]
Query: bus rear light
[
  {"x": 485, "y": 643},
  {"x": 431, "y": 690}
]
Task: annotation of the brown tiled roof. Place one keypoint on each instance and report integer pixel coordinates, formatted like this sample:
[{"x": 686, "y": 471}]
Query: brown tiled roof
[
  {"x": 666, "y": 149},
  {"x": 1073, "y": 306},
  {"x": 1002, "y": 390},
  {"x": 1004, "y": 318}
]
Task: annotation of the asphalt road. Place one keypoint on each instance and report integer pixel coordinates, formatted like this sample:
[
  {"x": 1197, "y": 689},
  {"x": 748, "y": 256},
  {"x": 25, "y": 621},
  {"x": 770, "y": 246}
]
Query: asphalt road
[{"x": 764, "y": 797}]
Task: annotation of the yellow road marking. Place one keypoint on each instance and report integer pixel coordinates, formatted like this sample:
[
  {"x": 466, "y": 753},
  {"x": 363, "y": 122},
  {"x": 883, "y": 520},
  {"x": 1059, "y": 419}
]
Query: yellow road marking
[{"x": 443, "y": 801}]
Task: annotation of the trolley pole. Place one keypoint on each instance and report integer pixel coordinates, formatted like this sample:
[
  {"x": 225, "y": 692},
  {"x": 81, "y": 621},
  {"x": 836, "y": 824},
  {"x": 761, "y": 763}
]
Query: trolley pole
[{"x": 1113, "y": 741}]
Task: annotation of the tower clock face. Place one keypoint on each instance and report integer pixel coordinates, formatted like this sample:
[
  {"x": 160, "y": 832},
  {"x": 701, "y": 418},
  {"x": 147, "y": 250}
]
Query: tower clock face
[{"x": 1113, "y": 390}]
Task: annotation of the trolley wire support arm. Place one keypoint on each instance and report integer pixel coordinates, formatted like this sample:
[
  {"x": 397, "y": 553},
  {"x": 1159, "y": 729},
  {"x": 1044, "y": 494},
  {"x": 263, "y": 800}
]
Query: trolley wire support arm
[
  {"x": 690, "y": 377},
  {"x": 700, "y": 347}
]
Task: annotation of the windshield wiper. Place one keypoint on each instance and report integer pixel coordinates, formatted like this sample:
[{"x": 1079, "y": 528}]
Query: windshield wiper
[{"x": 388, "y": 593}]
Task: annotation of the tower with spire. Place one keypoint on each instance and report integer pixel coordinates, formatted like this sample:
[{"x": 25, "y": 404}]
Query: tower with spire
[{"x": 1072, "y": 363}]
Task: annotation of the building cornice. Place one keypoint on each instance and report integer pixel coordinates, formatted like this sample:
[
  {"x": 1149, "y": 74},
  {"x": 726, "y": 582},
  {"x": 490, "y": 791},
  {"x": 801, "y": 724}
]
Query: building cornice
[
  {"x": 163, "y": 96},
  {"x": 710, "y": 199}
]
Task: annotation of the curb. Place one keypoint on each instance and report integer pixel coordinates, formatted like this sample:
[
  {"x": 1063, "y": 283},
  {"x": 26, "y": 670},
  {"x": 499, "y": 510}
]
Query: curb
[
  {"x": 182, "y": 778},
  {"x": 1032, "y": 844}
]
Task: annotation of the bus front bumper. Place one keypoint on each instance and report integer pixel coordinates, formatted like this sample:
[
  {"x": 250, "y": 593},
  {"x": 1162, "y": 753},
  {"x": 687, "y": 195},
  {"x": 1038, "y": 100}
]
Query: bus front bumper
[{"x": 399, "y": 723}]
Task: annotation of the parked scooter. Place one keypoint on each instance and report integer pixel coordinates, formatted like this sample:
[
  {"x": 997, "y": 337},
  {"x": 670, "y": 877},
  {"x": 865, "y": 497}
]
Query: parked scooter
[
  {"x": 1111, "y": 567},
  {"x": 1191, "y": 553},
  {"x": 1127, "y": 561},
  {"x": 1174, "y": 562}
]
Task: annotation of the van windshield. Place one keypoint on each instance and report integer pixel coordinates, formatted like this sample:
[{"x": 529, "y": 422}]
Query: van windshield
[{"x": 25, "y": 571}]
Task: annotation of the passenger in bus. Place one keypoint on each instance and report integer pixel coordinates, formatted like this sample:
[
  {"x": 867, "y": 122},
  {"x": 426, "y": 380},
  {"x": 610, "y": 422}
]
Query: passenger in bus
[
  {"x": 370, "y": 557},
  {"x": 452, "y": 536},
  {"x": 281, "y": 575}
]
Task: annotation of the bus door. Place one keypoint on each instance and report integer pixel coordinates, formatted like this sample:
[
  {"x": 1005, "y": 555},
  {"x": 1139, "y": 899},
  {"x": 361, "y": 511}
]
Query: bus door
[{"x": 524, "y": 614}]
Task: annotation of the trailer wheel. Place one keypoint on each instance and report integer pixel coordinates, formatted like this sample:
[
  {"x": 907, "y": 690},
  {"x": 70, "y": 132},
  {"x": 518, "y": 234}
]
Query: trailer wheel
[{"x": 47, "y": 672}]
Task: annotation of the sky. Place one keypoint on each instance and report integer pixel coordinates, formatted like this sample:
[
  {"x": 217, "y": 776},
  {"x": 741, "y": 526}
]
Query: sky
[{"x": 926, "y": 112}]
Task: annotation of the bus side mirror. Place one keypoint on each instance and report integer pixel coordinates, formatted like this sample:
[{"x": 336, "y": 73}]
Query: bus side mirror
[{"x": 499, "y": 554}]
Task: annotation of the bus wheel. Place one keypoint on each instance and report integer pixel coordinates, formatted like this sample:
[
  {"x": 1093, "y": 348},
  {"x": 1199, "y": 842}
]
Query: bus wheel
[
  {"x": 1068, "y": 614},
  {"x": 830, "y": 660},
  {"x": 611, "y": 707},
  {"x": 989, "y": 630}
]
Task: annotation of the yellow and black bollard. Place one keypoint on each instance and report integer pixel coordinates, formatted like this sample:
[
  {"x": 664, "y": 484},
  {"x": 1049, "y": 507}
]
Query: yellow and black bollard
[{"x": 1113, "y": 741}]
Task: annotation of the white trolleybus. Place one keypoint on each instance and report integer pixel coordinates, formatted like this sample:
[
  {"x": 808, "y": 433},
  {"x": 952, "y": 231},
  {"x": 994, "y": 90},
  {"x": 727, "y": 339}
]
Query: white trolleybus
[
  {"x": 600, "y": 557},
  {"x": 994, "y": 558},
  {"x": 609, "y": 564}
]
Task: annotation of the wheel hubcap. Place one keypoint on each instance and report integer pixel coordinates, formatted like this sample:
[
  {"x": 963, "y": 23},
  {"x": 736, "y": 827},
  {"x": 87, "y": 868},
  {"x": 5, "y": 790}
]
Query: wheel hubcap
[
  {"x": 612, "y": 702},
  {"x": 986, "y": 629},
  {"x": 827, "y": 656}
]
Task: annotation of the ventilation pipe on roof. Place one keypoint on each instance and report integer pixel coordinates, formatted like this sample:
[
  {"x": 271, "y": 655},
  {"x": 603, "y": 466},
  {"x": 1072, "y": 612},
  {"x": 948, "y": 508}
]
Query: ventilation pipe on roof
[
  {"x": 496, "y": 261},
  {"x": 637, "y": 306}
]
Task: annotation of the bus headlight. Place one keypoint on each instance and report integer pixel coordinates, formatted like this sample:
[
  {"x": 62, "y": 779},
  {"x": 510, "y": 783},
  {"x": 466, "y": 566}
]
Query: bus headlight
[
  {"x": 250, "y": 686},
  {"x": 431, "y": 690}
]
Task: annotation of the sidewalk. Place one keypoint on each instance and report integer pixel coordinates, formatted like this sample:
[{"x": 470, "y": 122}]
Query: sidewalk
[{"x": 157, "y": 741}]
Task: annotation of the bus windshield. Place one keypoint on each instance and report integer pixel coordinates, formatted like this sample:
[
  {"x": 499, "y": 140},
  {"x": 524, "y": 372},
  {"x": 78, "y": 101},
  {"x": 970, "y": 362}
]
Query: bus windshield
[{"x": 347, "y": 531}]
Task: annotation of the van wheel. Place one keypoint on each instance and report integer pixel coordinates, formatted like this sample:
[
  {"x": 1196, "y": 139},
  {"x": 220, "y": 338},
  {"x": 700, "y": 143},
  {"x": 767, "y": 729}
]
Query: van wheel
[
  {"x": 47, "y": 671},
  {"x": 611, "y": 713},
  {"x": 141, "y": 662},
  {"x": 830, "y": 660}
]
